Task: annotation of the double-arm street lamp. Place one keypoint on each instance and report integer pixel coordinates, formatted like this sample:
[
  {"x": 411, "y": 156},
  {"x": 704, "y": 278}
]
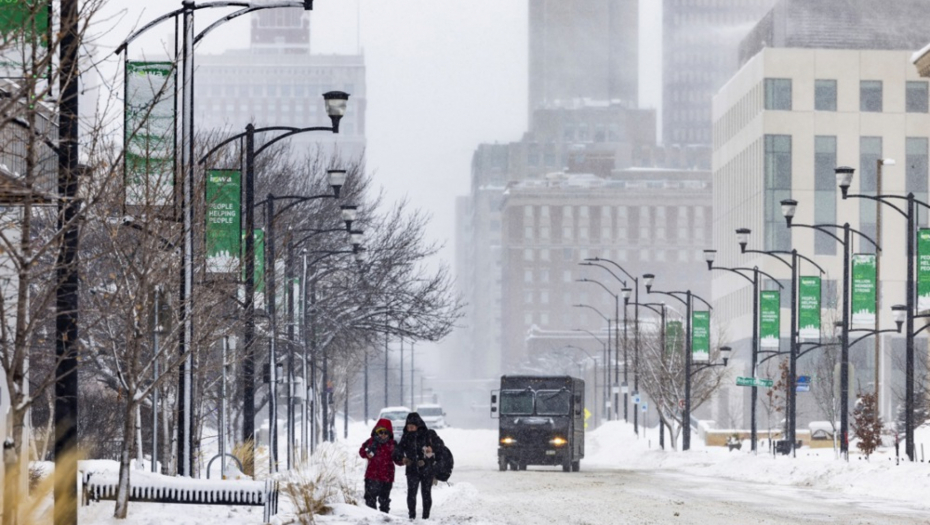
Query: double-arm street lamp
[
  {"x": 607, "y": 365},
  {"x": 688, "y": 303},
  {"x": 788, "y": 208},
  {"x": 597, "y": 261},
  {"x": 710, "y": 256},
  {"x": 908, "y": 210}
]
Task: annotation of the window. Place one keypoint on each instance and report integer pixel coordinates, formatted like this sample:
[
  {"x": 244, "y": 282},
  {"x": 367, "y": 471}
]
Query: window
[
  {"x": 825, "y": 95},
  {"x": 527, "y": 276},
  {"x": 870, "y": 95},
  {"x": 528, "y": 254},
  {"x": 916, "y": 100},
  {"x": 870, "y": 151},
  {"x": 916, "y": 170},
  {"x": 778, "y": 94},
  {"x": 824, "y": 192},
  {"x": 777, "y": 188}
]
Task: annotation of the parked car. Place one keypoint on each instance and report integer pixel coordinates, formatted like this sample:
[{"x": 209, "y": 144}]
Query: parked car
[
  {"x": 398, "y": 416},
  {"x": 432, "y": 415}
]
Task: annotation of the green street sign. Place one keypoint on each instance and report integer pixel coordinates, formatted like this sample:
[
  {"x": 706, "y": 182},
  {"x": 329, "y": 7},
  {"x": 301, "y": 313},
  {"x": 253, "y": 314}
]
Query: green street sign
[
  {"x": 752, "y": 381},
  {"x": 863, "y": 289}
]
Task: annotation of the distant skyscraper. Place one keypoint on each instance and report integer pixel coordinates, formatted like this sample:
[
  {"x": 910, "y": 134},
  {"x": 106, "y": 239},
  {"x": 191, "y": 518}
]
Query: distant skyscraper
[
  {"x": 583, "y": 49},
  {"x": 700, "y": 52}
]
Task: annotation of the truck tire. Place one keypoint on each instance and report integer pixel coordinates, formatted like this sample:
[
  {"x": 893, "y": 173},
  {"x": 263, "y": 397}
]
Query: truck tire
[
  {"x": 566, "y": 465},
  {"x": 502, "y": 463},
  {"x": 576, "y": 466},
  {"x": 521, "y": 465}
]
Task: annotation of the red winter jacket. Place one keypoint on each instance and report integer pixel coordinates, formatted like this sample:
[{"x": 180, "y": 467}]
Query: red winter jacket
[{"x": 380, "y": 466}]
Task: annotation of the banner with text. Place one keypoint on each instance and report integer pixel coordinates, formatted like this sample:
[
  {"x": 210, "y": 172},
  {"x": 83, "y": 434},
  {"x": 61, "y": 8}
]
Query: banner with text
[
  {"x": 23, "y": 25},
  {"x": 863, "y": 289},
  {"x": 223, "y": 226},
  {"x": 769, "y": 318},
  {"x": 674, "y": 336},
  {"x": 923, "y": 269},
  {"x": 149, "y": 134},
  {"x": 809, "y": 308},
  {"x": 700, "y": 336}
]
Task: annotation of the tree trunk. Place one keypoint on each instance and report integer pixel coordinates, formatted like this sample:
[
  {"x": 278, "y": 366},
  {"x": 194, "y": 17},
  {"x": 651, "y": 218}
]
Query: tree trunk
[
  {"x": 138, "y": 437},
  {"x": 122, "y": 491}
]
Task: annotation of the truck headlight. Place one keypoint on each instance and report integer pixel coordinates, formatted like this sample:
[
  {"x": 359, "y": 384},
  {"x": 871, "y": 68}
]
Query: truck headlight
[
  {"x": 558, "y": 441},
  {"x": 508, "y": 441}
]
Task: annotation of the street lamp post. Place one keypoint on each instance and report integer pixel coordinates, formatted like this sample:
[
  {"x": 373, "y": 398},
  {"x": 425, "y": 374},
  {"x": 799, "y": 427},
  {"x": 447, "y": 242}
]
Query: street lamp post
[
  {"x": 658, "y": 308},
  {"x": 616, "y": 344},
  {"x": 788, "y": 207},
  {"x": 710, "y": 256},
  {"x": 594, "y": 261},
  {"x": 844, "y": 176},
  {"x": 606, "y": 380},
  {"x": 688, "y": 303},
  {"x": 593, "y": 360},
  {"x": 604, "y": 317}
]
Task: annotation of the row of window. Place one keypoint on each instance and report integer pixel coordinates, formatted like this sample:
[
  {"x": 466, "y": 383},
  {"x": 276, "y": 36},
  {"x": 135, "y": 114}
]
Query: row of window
[
  {"x": 273, "y": 90},
  {"x": 778, "y": 95}
]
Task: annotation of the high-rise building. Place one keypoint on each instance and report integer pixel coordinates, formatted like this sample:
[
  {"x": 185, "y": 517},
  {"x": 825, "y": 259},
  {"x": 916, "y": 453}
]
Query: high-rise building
[
  {"x": 278, "y": 82},
  {"x": 583, "y": 49},
  {"x": 700, "y": 52}
]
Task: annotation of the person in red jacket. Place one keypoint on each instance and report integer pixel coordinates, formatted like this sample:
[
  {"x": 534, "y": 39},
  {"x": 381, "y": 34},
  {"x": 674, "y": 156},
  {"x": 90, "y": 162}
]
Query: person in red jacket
[{"x": 379, "y": 476}]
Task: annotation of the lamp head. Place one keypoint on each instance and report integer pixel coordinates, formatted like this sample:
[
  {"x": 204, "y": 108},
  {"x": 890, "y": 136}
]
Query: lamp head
[
  {"x": 356, "y": 238},
  {"x": 709, "y": 256},
  {"x": 725, "y": 354},
  {"x": 887, "y": 162},
  {"x": 336, "y": 102},
  {"x": 308, "y": 5},
  {"x": 742, "y": 237},
  {"x": 349, "y": 214},
  {"x": 337, "y": 179},
  {"x": 844, "y": 177},
  {"x": 788, "y": 207},
  {"x": 838, "y": 329},
  {"x": 647, "y": 280},
  {"x": 361, "y": 256},
  {"x": 899, "y": 312},
  {"x": 626, "y": 293}
]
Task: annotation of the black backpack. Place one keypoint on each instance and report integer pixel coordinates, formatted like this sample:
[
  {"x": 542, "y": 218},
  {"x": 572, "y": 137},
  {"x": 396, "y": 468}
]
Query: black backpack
[{"x": 444, "y": 463}]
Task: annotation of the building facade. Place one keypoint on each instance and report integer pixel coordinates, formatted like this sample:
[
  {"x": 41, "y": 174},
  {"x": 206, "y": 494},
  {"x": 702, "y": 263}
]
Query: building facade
[
  {"x": 781, "y": 126},
  {"x": 700, "y": 43},
  {"x": 278, "y": 82},
  {"x": 583, "y": 49}
]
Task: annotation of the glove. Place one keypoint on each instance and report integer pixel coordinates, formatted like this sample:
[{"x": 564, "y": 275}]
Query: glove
[
  {"x": 421, "y": 463},
  {"x": 372, "y": 448},
  {"x": 407, "y": 461}
]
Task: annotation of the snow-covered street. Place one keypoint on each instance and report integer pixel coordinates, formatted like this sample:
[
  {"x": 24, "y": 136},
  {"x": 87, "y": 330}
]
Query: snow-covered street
[{"x": 623, "y": 480}]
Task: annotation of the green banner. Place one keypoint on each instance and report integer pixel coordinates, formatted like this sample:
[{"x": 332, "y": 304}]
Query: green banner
[
  {"x": 863, "y": 289},
  {"x": 259, "y": 262},
  {"x": 20, "y": 19},
  {"x": 674, "y": 336},
  {"x": 149, "y": 133},
  {"x": 923, "y": 269},
  {"x": 223, "y": 226},
  {"x": 769, "y": 319},
  {"x": 700, "y": 336},
  {"x": 809, "y": 308}
]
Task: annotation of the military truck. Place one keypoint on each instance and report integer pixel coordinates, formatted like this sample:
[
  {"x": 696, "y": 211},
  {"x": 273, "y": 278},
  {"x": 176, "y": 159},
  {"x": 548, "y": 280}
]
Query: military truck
[{"x": 541, "y": 421}]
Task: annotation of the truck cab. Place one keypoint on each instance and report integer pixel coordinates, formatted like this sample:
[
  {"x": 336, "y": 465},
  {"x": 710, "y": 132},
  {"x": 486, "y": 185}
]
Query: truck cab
[{"x": 541, "y": 421}]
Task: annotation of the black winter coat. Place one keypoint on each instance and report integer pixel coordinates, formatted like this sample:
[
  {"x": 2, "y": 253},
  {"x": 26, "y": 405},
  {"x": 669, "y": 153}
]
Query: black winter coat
[{"x": 411, "y": 447}]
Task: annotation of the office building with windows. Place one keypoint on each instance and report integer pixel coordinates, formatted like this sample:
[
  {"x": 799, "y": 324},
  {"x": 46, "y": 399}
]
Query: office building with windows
[
  {"x": 781, "y": 126},
  {"x": 276, "y": 81},
  {"x": 700, "y": 43}
]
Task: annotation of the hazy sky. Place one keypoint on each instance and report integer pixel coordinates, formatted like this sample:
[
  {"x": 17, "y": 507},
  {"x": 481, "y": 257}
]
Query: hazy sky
[{"x": 442, "y": 75}]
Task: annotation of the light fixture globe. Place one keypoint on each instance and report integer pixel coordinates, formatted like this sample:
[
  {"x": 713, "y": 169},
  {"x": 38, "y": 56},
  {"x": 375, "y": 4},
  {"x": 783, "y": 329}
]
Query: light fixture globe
[
  {"x": 336, "y": 104},
  {"x": 360, "y": 256},
  {"x": 899, "y": 313},
  {"x": 349, "y": 213},
  {"x": 337, "y": 179},
  {"x": 356, "y": 238},
  {"x": 626, "y": 293},
  {"x": 725, "y": 354},
  {"x": 742, "y": 237},
  {"x": 838, "y": 329},
  {"x": 844, "y": 177},
  {"x": 788, "y": 207},
  {"x": 710, "y": 256},
  {"x": 648, "y": 278}
]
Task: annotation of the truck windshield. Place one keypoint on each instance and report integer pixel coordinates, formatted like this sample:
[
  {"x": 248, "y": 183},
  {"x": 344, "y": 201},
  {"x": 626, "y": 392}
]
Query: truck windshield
[
  {"x": 553, "y": 402},
  {"x": 517, "y": 402}
]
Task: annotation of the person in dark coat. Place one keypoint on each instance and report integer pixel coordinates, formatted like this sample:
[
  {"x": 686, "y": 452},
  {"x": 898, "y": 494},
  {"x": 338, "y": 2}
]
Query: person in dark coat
[
  {"x": 379, "y": 476},
  {"x": 417, "y": 451}
]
